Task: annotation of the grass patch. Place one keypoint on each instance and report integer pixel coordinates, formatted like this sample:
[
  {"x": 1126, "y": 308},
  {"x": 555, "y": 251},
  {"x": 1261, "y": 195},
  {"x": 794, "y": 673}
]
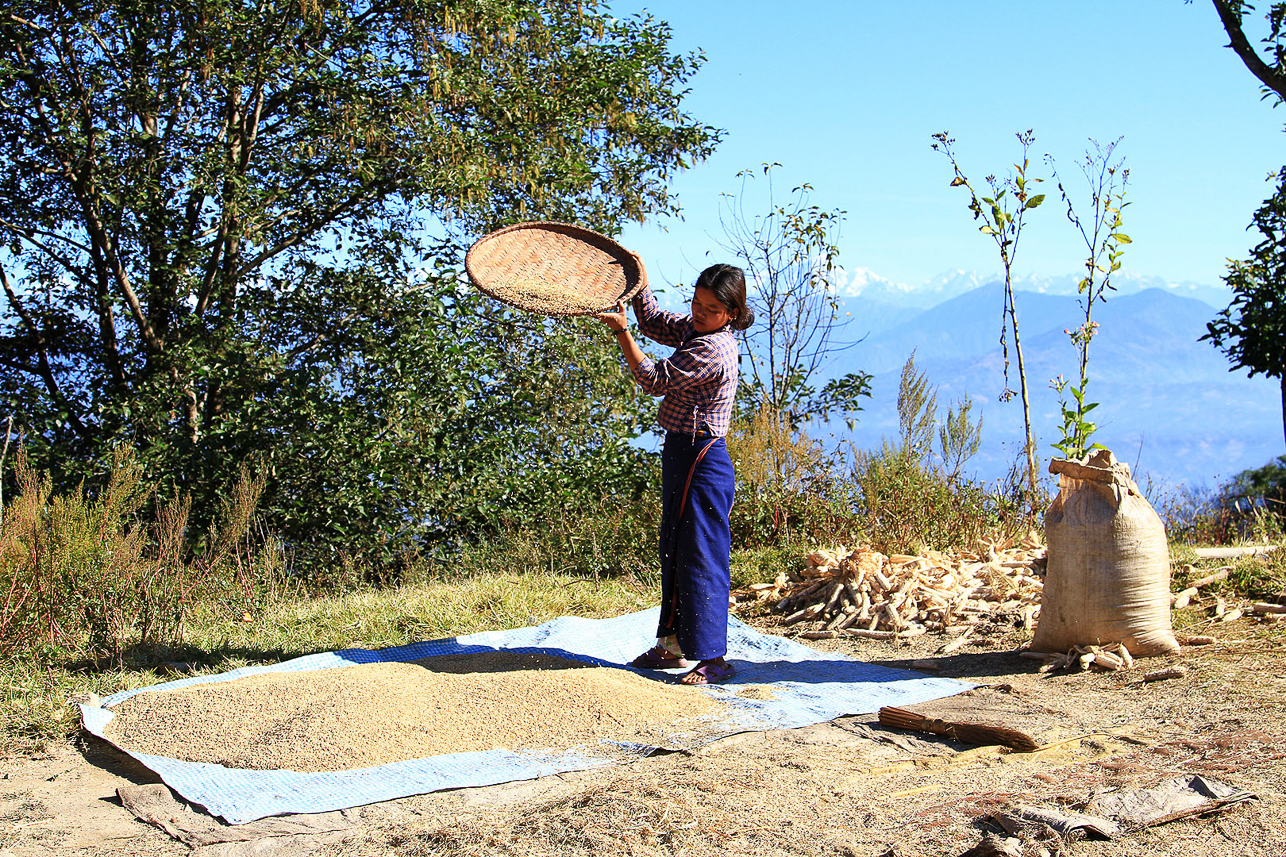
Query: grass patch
[
  {"x": 406, "y": 614},
  {"x": 1258, "y": 577},
  {"x": 761, "y": 565},
  {"x": 1183, "y": 554}
]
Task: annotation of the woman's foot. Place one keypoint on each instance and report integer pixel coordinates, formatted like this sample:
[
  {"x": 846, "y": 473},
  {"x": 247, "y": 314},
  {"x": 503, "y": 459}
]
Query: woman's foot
[
  {"x": 713, "y": 671},
  {"x": 660, "y": 658}
]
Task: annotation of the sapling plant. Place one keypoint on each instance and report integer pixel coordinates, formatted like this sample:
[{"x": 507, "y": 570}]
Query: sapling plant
[
  {"x": 1002, "y": 214},
  {"x": 1105, "y": 243}
]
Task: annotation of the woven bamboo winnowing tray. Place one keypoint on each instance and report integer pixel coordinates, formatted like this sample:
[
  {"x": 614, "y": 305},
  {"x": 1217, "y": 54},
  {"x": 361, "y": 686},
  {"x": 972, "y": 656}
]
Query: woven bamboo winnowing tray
[{"x": 554, "y": 269}]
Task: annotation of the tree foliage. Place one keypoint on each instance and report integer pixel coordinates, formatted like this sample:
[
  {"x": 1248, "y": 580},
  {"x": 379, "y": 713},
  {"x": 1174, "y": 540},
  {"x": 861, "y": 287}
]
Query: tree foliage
[
  {"x": 213, "y": 216},
  {"x": 1251, "y": 330}
]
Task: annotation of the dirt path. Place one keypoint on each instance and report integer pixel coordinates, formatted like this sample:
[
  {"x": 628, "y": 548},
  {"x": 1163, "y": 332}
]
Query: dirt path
[{"x": 843, "y": 788}]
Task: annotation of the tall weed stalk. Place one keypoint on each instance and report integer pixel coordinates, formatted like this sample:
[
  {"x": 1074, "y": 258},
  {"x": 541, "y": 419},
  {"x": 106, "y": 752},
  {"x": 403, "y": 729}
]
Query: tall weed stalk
[
  {"x": 914, "y": 496},
  {"x": 1105, "y": 243},
  {"x": 86, "y": 577}
]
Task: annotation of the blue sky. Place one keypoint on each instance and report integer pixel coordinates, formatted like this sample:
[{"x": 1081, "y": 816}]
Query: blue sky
[{"x": 845, "y": 95}]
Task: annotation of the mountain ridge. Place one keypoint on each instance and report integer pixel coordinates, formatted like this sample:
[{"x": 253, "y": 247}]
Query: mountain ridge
[
  {"x": 1169, "y": 401},
  {"x": 864, "y": 283}
]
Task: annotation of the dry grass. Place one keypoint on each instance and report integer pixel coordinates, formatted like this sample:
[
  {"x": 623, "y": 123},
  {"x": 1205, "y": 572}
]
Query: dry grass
[
  {"x": 84, "y": 576},
  {"x": 833, "y": 790}
]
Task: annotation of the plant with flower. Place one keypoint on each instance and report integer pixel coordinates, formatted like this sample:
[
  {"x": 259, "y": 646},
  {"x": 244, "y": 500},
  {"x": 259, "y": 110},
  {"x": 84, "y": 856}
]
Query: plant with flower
[{"x": 1104, "y": 244}]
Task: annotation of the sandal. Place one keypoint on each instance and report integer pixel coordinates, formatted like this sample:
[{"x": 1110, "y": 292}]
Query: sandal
[
  {"x": 714, "y": 671},
  {"x": 659, "y": 658}
]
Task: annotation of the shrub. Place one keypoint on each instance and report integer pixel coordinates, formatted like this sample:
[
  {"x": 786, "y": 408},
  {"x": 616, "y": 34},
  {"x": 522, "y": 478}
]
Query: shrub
[
  {"x": 787, "y": 488},
  {"x": 615, "y": 538},
  {"x": 1257, "y": 499},
  {"x": 908, "y": 506},
  {"x": 1251, "y": 507},
  {"x": 84, "y": 577},
  {"x": 912, "y": 494},
  {"x": 1192, "y": 516}
]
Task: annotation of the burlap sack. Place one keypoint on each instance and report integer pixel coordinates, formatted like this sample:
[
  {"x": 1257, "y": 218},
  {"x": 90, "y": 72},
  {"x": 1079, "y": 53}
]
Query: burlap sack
[{"x": 1108, "y": 577}]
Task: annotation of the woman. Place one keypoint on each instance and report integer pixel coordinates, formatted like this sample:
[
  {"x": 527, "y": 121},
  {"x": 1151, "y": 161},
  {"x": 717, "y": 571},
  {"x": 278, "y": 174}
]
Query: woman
[{"x": 697, "y": 383}]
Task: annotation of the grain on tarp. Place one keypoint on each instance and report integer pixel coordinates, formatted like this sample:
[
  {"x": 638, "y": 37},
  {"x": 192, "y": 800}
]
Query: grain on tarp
[{"x": 373, "y": 714}]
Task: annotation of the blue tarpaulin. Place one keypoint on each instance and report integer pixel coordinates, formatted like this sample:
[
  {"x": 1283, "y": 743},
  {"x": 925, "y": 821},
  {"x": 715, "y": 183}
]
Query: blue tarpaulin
[{"x": 807, "y": 686}]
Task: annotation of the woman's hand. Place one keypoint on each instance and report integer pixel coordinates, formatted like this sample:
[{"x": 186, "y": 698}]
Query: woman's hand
[
  {"x": 620, "y": 325},
  {"x": 615, "y": 318}
]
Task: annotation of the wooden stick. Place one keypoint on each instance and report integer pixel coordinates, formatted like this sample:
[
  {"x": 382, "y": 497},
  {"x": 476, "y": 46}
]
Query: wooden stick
[
  {"x": 1265, "y": 607},
  {"x": 968, "y": 733},
  {"x": 834, "y": 596},
  {"x": 850, "y": 620},
  {"x": 956, "y": 643},
  {"x": 807, "y": 613},
  {"x": 869, "y": 634}
]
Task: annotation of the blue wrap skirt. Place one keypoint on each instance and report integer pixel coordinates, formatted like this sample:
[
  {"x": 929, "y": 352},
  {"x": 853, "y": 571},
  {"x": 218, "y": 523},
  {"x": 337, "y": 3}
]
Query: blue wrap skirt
[{"x": 696, "y": 543}]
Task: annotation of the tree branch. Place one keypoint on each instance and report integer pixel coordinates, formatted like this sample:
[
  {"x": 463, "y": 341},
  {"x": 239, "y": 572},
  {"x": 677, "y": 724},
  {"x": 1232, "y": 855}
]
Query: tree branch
[
  {"x": 33, "y": 238},
  {"x": 310, "y": 228},
  {"x": 99, "y": 233},
  {"x": 44, "y": 369},
  {"x": 1230, "y": 17}
]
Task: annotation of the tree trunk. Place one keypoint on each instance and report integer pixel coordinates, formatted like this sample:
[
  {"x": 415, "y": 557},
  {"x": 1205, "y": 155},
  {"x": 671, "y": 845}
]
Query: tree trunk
[{"x": 1030, "y": 442}]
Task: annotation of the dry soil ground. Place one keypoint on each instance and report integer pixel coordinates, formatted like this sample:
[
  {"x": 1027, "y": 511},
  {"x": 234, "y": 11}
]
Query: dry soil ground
[{"x": 843, "y": 788}]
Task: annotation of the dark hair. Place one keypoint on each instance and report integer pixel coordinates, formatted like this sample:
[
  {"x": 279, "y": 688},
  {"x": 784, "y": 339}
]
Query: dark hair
[{"x": 728, "y": 284}]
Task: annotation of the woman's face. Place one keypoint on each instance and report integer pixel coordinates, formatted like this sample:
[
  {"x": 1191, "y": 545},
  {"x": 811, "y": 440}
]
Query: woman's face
[{"x": 708, "y": 312}]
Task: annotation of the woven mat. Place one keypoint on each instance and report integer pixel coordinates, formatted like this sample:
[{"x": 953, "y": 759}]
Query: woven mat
[{"x": 554, "y": 269}]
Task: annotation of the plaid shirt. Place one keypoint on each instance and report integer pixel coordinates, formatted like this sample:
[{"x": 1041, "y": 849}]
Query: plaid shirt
[{"x": 698, "y": 381}]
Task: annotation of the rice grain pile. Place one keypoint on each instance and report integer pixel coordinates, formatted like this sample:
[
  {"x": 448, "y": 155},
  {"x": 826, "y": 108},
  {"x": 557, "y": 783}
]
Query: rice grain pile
[
  {"x": 373, "y": 714},
  {"x": 545, "y": 296}
]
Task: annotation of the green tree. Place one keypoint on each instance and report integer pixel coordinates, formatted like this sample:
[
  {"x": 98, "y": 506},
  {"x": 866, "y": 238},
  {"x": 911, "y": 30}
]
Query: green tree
[
  {"x": 212, "y": 217},
  {"x": 443, "y": 414},
  {"x": 1251, "y": 330},
  {"x": 790, "y": 257}
]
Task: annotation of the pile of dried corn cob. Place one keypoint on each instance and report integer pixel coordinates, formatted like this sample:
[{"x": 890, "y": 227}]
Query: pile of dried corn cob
[
  {"x": 1112, "y": 658},
  {"x": 863, "y": 593}
]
